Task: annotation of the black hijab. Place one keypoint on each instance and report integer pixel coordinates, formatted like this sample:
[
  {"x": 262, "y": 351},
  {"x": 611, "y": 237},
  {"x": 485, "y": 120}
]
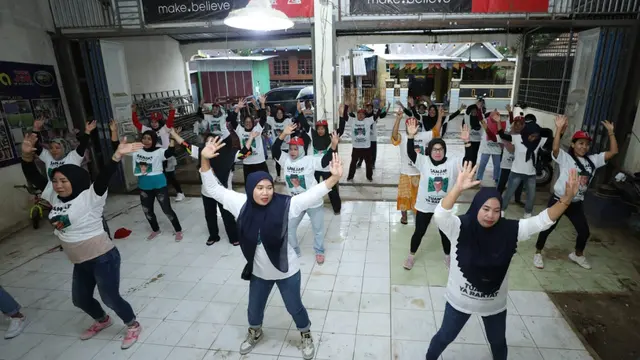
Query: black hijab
[
  {"x": 428, "y": 121},
  {"x": 266, "y": 224},
  {"x": 222, "y": 165},
  {"x": 78, "y": 178},
  {"x": 531, "y": 128},
  {"x": 484, "y": 254},
  {"x": 154, "y": 140},
  {"x": 430, "y": 146},
  {"x": 320, "y": 143},
  {"x": 474, "y": 120}
]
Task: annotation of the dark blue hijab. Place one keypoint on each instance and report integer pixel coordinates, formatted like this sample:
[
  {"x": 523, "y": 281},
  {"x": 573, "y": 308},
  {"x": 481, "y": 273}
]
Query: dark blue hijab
[
  {"x": 484, "y": 254},
  {"x": 264, "y": 224}
]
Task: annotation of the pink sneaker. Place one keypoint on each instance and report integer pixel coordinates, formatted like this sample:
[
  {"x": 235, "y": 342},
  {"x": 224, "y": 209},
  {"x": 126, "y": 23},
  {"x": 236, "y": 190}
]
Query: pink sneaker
[
  {"x": 154, "y": 234},
  {"x": 408, "y": 264},
  {"x": 179, "y": 236},
  {"x": 132, "y": 336},
  {"x": 95, "y": 328},
  {"x": 320, "y": 259}
]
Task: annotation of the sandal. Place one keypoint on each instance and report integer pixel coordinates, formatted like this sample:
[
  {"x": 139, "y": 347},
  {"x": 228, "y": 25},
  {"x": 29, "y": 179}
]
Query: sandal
[
  {"x": 403, "y": 219},
  {"x": 211, "y": 242},
  {"x": 236, "y": 243}
]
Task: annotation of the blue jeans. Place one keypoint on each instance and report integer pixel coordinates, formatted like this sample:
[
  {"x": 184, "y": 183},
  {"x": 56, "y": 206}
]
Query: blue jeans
[
  {"x": 515, "y": 180},
  {"x": 317, "y": 224},
  {"x": 8, "y": 305},
  {"x": 484, "y": 160},
  {"x": 453, "y": 322},
  {"x": 103, "y": 271},
  {"x": 259, "y": 290}
]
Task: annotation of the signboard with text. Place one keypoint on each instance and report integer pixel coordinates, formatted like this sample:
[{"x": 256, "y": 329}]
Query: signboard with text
[
  {"x": 163, "y": 11},
  {"x": 398, "y": 7}
]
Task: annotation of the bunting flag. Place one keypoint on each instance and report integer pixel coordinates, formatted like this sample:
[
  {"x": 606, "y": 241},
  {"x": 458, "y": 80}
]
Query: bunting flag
[
  {"x": 485, "y": 65},
  {"x": 419, "y": 66}
]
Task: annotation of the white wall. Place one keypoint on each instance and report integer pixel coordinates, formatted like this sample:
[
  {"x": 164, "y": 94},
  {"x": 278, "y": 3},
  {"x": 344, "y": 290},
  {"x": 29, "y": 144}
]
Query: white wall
[
  {"x": 631, "y": 162},
  {"x": 23, "y": 38},
  {"x": 154, "y": 63}
]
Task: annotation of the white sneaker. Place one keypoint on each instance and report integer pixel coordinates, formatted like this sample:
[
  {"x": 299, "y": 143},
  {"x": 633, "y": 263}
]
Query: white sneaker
[
  {"x": 15, "y": 327},
  {"x": 537, "y": 261},
  {"x": 307, "y": 347},
  {"x": 253, "y": 337},
  {"x": 526, "y": 215},
  {"x": 447, "y": 261},
  {"x": 179, "y": 197},
  {"x": 580, "y": 260}
]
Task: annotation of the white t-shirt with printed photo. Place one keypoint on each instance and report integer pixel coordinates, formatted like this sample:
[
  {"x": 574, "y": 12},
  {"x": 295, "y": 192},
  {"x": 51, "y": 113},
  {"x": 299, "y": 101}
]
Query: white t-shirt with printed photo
[
  {"x": 72, "y": 158},
  {"x": 148, "y": 163},
  {"x": 420, "y": 142},
  {"x": 217, "y": 125},
  {"x": 299, "y": 173},
  {"x": 76, "y": 220},
  {"x": 257, "y": 149},
  {"x": 277, "y": 129},
  {"x": 435, "y": 181},
  {"x": 566, "y": 163},
  {"x": 520, "y": 164},
  {"x": 163, "y": 136},
  {"x": 361, "y": 132},
  {"x": 489, "y": 147},
  {"x": 507, "y": 159}
]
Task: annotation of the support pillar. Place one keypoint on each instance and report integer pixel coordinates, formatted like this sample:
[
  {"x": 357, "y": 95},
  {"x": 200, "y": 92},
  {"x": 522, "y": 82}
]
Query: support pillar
[{"x": 324, "y": 75}]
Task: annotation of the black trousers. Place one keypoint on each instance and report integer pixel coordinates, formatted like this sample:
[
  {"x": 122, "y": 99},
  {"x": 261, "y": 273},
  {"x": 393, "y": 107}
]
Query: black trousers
[
  {"x": 374, "y": 153},
  {"x": 502, "y": 184},
  {"x": 248, "y": 169},
  {"x": 334, "y": 194},
  {"x": 575, "y": 213},
  {"x": 356, "y": 155},
  {"x": 473, "y": 152},
  {"x": 211, "y": 215},
  {"x": 278, "y": 167},
  {"x": 171, "y": 178},
  {"x": 422, "y": 223},
  {"x": 147, "y": 199}
]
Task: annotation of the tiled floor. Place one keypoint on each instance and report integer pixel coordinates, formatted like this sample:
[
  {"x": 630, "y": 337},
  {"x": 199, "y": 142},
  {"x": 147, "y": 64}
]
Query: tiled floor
[{"x": 363, "y": 305}]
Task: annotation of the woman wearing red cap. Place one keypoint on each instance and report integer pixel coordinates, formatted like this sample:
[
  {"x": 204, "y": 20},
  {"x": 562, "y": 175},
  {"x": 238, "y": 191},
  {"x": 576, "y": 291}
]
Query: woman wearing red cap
[
  {"x": 299, "y": 175},
  {"x": 585, "y": 165}
]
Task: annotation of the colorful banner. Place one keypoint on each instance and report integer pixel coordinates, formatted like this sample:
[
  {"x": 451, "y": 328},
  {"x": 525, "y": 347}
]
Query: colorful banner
[
  {"x": 27, "y": 91},
  {"x": 163, "y": 11},
  {"x": 398, "y": 7}
]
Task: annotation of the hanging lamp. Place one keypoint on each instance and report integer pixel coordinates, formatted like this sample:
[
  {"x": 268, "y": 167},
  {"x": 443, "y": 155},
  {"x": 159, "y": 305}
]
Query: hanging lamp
[{"x": 258, "y": 15}]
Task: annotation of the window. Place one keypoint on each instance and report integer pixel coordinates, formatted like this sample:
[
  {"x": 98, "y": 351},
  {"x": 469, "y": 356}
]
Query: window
[
  {"x": 305, "y": 67},
  {"x": 280, "y": 67}
]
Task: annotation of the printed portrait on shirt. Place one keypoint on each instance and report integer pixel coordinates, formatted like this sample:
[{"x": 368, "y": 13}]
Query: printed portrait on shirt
[
  {"x": 143, "y": 168},
  {"x": 245, "y": 138},
  {"x": 60, "y": 222},
  {"x": 438, "y": 184},
  {"x": 296, "y": 183},
  {"x": 583, "y": 182},
  {"x": 215, "y": 128},
  {"x": 359, "y": 131}
]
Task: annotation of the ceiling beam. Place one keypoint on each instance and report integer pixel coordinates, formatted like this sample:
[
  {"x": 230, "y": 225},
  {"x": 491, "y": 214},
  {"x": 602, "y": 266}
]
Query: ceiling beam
[{"x": 190, "y": 49}]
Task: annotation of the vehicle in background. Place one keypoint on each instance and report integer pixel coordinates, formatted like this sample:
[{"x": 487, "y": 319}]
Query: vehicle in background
[{"x": 287, "y": 97}]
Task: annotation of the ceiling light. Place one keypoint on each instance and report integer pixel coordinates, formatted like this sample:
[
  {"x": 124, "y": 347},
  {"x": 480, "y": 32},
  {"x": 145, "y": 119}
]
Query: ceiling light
[{"x": 258, "y": 15}]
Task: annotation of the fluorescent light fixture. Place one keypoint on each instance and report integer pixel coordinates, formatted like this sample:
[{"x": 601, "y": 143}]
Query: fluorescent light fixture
[{"x": 258, "y": 15}]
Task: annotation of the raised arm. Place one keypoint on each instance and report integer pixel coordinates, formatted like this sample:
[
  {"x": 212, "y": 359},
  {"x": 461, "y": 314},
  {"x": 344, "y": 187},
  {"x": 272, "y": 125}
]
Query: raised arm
[
  {"x": 171, "y": 117},
  {"x": 262, "y": 113},
  {"x": 396, "y": 126},
  {"x": 561, "y": 125},
  {"x": 101, "y": 185},
  {"x": 232, "y": 118},
  {"x": 38, "y": 125},
  {"x": 84, "y": 138},
  {"x": 504, "y": 136},
  {"x": 328, "y": 156},
  {"x": 113, "y": 127},
  {"x": 303, "y": 201},
  {"x": 29, "y": 168},
  {"x": 613, "y": 143},
  {"x": 412, "y": 130},
  {"x": 134, "y": 117}
]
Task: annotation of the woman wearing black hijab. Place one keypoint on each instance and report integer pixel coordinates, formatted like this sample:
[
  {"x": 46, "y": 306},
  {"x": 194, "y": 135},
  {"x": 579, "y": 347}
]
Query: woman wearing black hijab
[
  {"x": 263, "y": 217},
  {"x": 484, "y": 244},
  {"x": 476, "y": 113},
  {"x": 76, "y": 214}
]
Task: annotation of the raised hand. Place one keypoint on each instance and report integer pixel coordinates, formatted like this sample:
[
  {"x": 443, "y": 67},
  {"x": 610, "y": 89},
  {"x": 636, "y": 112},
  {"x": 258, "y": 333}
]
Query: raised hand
[
  {"x": 440, "y": 111},
  {"x": 467, "y": 176},
  {"x": 508, "y": 107},
  {"x": 29, "y": 143},
  {"x": 464, "y": 133},
  {"x": 171, "y": 107},
  {"x": 254, "y": 134},
  {"x": 412, "y": 127},
  {"x": 335, "y": 139},
  {"x": 399, "y": 113},
  {"x": 572, "y": 186},
  {"x": 127, "y": 148},
  {"x": 410, "y": 101},
  {"x": 561, "y": 122},
  {"x": 263, "y": 100},
  {"x": 289, "y": 129},
  {"x": 608, "y": 125},
  {"x": 113, "y": 126},
  {"x": 212, "y": 147},
  {"x": 38, "y": 124},
  {"x": 463, "y": 107},
  {"x": 90, "y": 126},
  {"x": 336, "y": 166},
  {"x": 241, "y": 104}
]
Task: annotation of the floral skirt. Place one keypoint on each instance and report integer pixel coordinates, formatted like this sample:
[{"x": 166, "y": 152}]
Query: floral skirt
[{"x": 407, "y": 192}]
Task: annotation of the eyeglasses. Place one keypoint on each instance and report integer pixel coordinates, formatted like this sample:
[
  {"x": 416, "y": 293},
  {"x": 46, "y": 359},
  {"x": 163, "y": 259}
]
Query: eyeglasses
[{"x": 437, "y": 150}]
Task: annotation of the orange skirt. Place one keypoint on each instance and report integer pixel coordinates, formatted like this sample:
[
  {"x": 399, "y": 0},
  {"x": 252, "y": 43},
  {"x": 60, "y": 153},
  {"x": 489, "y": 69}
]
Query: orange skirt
[{"x": 407, "y": 192}]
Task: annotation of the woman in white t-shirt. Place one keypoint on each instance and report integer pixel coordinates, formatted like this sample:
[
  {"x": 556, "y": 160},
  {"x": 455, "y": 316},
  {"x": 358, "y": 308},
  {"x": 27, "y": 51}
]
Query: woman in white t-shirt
[
  {"x": 263, "y": 218},
  {"x": 278, "y": 123},
  {"x": 58, "y": 153},
  {"x": 409, "y": 175},
  {"x": 437, "y": 172},
  {"x": 250, "y": 135},
  {"x": 299, "y": 175},
  {"x": 76, "y": 215},
  {"x": 586, "y": 166},
  {"x": 490, "y": 145},
  {"x": 484, "y": 243}
]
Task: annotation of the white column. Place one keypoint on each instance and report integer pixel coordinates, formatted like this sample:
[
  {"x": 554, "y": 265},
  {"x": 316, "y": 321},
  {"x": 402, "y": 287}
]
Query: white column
[{"x": 324, "y": 59}]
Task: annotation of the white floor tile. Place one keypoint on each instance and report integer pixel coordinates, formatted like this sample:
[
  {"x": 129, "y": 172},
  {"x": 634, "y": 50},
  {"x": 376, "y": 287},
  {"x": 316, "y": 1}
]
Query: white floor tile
[
  {"x": 159, "y": 308},
  {"x": 169, "y": 333},
  {"x": 404, "y": 349},
  {"x": 15, "y": 348},
  {"x": 222, "y": 355},
  {"x": 52, "y": 301},
  {"x": 345, "y": 301},
  {"x": 81, "y": 350},
  {"x": 275, "y": 317},
  {"x": 410, "y": 297},
  {"x": 181, "y": 353},
  {"x": 216, "y": 313},
  {"x": 271, "y": 343},
  {"x": 330, "y": 267},
  {"x": 50, "y": 348},
  {"x": 112, "y": 351},
  {"x": 188, "y": 310},
  {"x": 192, "y": 273},
  {"x": 341, "y": 322},
  {"x": 412, "y": 325},
  {"x": 552, "y": 333},
  {"x": 321, "y": 282},
  {"x": 50, "y": 322},
  {"x": 176, "y": 290},
  {"x": 217, "y": 276},
  {"x": 291, "y": 344},
  {"x": 351, "y": 268},
  {"x": 557, "y": 354},
  {"x": 376, "y": 303},
  {"x": 200, "y": 335},
  {"x": 377, "y": 270},
  {"x": 230, "y": 338},
  {"x": 467, "y": 351},
  {"x": 471, "y": 333},
  {"x": 517, "y": 332},
  {"x": 533, "y": 303},
  {"x": 523, "y": 353},
  {"x": 356, "y": 256},
  {"x": 377, "y": 257},
  {"x": 151, "y": 352},
  {"x": 348, "y": 283},
  {"x": 376, "y": 285},
  {"x": 231, "y": 294},
  {"x": 316, "y": 299},
  {"x": 335, "y": 346},
  {"x": 374, "y": 324},
  {"x": 372, "y": 348}
]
